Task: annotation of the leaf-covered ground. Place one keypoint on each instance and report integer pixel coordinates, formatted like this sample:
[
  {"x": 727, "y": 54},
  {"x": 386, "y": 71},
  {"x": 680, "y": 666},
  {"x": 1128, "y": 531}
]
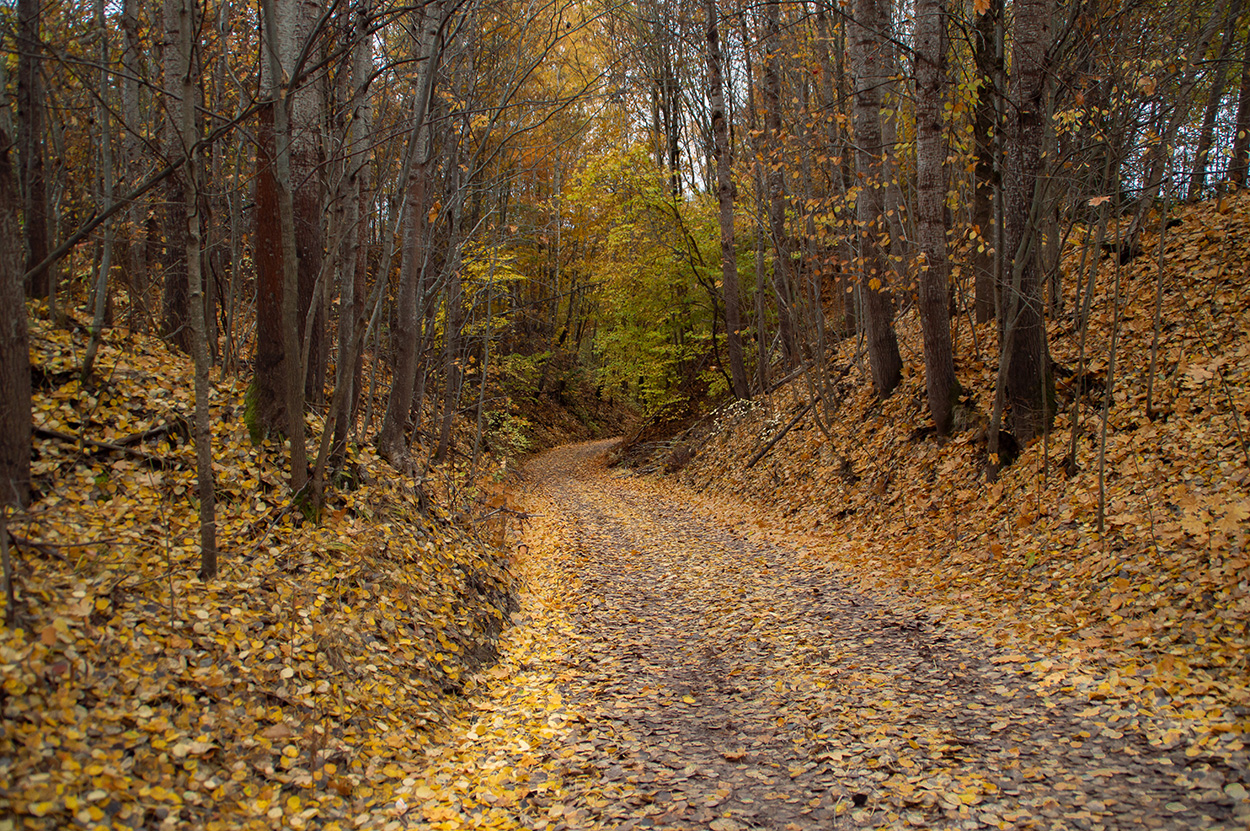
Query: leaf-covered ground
[
  {"x": 971, "y": 655},
  {"x": 1156, "y": 608},
  {"x": 299, "y": 688},
  {"x": 856, "y": 631},
  {"x": 678, "y": 669}
]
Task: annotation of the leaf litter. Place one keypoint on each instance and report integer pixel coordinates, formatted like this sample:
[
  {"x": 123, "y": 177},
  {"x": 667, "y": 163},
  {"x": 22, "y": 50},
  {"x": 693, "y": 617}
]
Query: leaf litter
[
  {"x": 861, "y": 632},
  {"x": 856, "y": 632},
  {"x": 301, "y": 688}
]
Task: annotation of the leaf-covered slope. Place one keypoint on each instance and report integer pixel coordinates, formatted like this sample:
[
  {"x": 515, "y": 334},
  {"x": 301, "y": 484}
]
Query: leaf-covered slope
[
  {"x": 301, "y": 687},
  {"x": 1157, "y": 606}
]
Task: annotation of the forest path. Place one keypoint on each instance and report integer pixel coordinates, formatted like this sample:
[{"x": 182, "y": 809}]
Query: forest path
[{"x": 718, "y": 681}]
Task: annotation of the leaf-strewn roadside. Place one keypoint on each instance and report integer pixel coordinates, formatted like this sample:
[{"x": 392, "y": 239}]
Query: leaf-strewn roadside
[
  {"x": 299, "y": 688},
  {"x": 686, "y": 672},
  {"x": 1155, "y": 610}
]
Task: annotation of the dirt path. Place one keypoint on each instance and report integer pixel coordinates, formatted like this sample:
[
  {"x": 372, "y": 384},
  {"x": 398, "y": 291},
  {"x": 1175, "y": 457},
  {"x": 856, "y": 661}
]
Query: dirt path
[{"x": 718, "y": 682}]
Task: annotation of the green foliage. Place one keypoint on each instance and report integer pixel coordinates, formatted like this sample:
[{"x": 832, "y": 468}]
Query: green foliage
[
  {"x": 646, "y": 250},
  {"x": 508, "y": 434},
  {"x": 520, "y": 373}
]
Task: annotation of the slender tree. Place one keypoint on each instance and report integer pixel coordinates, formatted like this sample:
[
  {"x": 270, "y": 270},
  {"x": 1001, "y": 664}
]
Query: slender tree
[
  {"x": 870, "y": 66},
  {"x": 288, "y": 146},
  {"x": 132, "y": 152},
  {"x": 725, "y": 195},
  {"x": 1237, "y": 165},
  {"x": 291, "y": 376},
  {"x": 174, "y": 308},
  {"x": 196, "y": 307},
  {"x": 1219, "y": 77},
  {"x": 988, "y": 61},
  {"x": 413, "y": 261},
  {"x": 30, "y": 144},
  {"x": 15, "y": 403},
  {"x": 775, "y": 181},
  {"x": 930, "y": 63}
]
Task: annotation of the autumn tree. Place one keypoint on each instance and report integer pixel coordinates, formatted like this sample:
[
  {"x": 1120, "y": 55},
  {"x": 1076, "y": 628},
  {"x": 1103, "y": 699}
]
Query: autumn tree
[
  {"x": 15, "y": 404},
  {"x": 930, "y": 67},
  {"x": 725, "y": 193},
  {"x": 866, "y": 34}
]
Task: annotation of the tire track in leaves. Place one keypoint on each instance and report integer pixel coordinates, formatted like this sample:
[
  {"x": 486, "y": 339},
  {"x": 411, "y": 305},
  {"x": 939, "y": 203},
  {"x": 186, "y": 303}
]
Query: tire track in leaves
[{"x": 724, "y": 682}]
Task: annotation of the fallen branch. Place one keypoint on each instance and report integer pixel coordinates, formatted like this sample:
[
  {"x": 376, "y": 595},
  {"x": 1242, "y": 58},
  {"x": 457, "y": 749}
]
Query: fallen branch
[
  {"x": 178, "y": 426},
  {"x": 151, "y": 460},
  {"x": 763, "y": 451},
  {"x": 788, "y": 377},
  {"x": 46, "y": 549}
]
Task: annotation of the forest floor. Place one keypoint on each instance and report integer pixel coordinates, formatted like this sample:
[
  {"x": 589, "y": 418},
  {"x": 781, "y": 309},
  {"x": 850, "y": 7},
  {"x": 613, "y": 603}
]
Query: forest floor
[
  {"x": 694, "y": 672},
  {"x": 854, "y": 630},
  {"x": 907, "y": 643}
]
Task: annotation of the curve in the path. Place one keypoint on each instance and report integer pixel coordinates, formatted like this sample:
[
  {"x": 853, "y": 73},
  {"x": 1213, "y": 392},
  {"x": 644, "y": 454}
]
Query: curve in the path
[{"x": 729, "y": 683}]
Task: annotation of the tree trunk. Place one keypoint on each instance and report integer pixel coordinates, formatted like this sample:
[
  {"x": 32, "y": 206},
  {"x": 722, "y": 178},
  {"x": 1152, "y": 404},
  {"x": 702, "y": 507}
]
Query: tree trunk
[
  {"x": 930, "y": 63},
  {"x": 30, "y": 121},
  {"x": 266, "y": 409},
  {"x": 725, "y": 193},
  {"x": 1198, "y": 177},
  {"x": 15, "y": 404},
  {"x": 452, "y": 375},
  {"x": 783, "y": 265},
  {"x": 988, "y": 58},
  {"x": 869, "y": 60},
  {"x": 300, "y": 145},
  {"x": 1153, "y": 182},
  {"x": 307, "y": 108},
  {"x": 174, "y": 308},
  {"x": 101, "y": 290},
  {"x": 413, "y": 262},
  {"x": 136, "y": 248},
  {"x": 1237, "y": 165},
  {"x": 352, "y": 271},
  {"x": 761, "y": 336},
  {"x": 1029, "y": 382},
  {"x": 292, "y": 376},
  {"x": 188, "y": 135}
]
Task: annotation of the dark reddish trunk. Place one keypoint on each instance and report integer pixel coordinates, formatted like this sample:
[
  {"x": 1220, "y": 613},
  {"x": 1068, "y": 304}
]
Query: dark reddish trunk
[
  {"x": 266, "y": 395},
  {"x": 30, "y": 146},
  {"x": 15, "y": 405},
  {"x": 1029, "y": 382}
]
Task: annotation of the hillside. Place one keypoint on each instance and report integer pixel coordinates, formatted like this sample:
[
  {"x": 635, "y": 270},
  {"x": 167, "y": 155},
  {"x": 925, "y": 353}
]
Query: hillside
[
  {"x": 301, "y": 683},
  {"x": 1153, "y": 610},
  {"x": 332, "y": 675}
]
